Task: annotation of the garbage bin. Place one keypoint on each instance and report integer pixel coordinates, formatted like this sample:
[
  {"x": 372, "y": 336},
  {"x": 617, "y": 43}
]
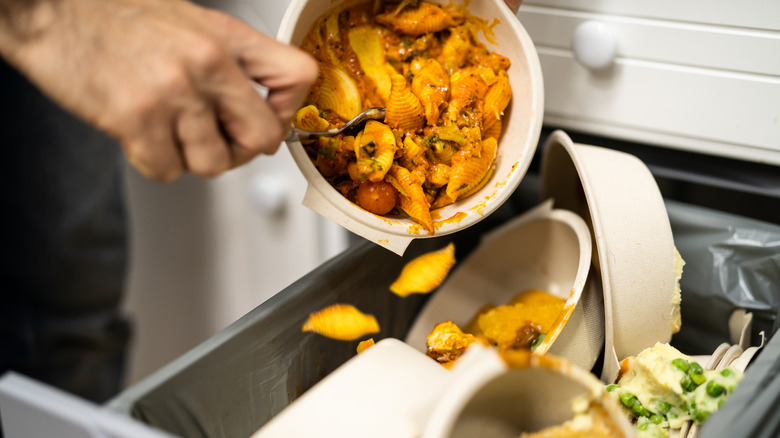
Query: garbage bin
[{"x": 235, "y": 382}]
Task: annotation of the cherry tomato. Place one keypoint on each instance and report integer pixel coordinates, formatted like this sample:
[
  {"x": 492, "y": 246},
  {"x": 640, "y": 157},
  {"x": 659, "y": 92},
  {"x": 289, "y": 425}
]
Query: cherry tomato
[{"x": 377, "y": 197}]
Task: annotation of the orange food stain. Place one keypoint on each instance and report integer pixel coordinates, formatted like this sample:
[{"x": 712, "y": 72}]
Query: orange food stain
[
  {"x": 557, "y": 327},
  {"x": 415, "y": 229},
  {"x": 454, "y": 219}
]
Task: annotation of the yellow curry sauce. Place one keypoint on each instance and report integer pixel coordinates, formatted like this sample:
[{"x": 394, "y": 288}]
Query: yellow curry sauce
[{"x": 520, "y": 324}]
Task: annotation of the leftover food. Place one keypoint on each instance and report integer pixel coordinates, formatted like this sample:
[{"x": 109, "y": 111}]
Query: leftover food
[
  {"x": 444, "y": 93},
  {"x": 343, "y": 322},
  {"x": 425, "y": 272},
  {"x": 663, "y": 388},
  {"x": 520, "y": 324}
]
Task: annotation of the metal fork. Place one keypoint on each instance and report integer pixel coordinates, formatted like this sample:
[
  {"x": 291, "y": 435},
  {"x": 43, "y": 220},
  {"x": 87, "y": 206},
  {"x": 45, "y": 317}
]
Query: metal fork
[{"x": 352, "y": 127}]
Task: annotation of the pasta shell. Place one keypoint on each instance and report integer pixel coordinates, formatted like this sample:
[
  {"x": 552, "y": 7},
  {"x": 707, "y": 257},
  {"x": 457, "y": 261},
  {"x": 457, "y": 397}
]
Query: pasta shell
[
  {"x": 375, "y": 149},
  {"x": 466, "y": 89},
  {"x": 342, "y": 322},
  {"x": 367, "y": 43},
  {"x": 338, "y": 92},
  {"x": 308, "y": 118},
  {"x": 426, "y": 18},
  {"x": 425, "y": 273},
  {"x": 404, "y": 110},
  {"x": 470, "y": 170},
  {"x": 412, "y": 200},
  {"x": 439, "y": 151},
  {"x": 431, "y": 84},
  {"x": 364, "y": 345},
  {"x": 494, "y": 130},
  {"x": 496, "y": 100},
  {"x": 412, "y": 153},
  {"x": 473, "y": 188}
]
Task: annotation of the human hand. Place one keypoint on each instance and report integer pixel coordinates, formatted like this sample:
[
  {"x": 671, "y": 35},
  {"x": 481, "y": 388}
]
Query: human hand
[
  {"x": 514, "y": 5},
  {"x": 170, "y": 80}
]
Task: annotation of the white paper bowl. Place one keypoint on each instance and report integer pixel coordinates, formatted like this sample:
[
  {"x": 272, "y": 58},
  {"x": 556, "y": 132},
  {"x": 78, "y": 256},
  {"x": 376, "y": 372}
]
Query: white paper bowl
[
  {"x": 542, "y": 249},
  {"x": 504, "y": 396},
  {"x": 522, "y": 126},
  {"x": 619, "y": 198}
]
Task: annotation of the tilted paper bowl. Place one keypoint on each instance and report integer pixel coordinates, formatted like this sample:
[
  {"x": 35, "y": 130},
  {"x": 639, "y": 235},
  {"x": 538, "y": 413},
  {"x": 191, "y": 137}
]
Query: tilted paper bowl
[
  {"x": 635, "y": 255},
  {"x": 543, "y": 249},
  {"x": 506, "y": 395},
  {"x": 516, "y": 147}
]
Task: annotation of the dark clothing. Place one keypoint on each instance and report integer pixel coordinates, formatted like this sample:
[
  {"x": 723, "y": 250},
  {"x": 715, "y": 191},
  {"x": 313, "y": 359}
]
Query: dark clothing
[{"x": 64, "y": 245}]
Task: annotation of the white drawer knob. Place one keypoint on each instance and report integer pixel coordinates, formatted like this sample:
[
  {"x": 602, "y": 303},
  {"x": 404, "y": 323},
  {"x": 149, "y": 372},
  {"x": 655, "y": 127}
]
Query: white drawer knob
[{"x": 594, "y": 45}]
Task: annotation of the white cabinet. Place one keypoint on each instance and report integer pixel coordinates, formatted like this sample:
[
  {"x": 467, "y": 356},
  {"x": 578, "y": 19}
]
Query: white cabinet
[{"x": 701, "y": 76}]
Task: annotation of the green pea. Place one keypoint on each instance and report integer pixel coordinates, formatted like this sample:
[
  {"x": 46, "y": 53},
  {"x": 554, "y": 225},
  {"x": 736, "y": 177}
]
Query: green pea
[
  {"x": 657, "y": 419},
  {"x": 643, "y": 426},
  {"x": 663, "y": 407},
  {"x": 627, "y": 399},
  {"x": 538, "y": 341},
  {"x": 696, "y": 368},
  {"x": 640, "y": 410},
  {"x": 681, "y": 364},
  {"x": 612, "y": 387},
  {"x": 714, "y": 389},
  {"x": 726, "y": 372},
  {"x": 687, "y": 383},
  {"x": 699, "y": 416},
  {"x": 698, "y": 379}
]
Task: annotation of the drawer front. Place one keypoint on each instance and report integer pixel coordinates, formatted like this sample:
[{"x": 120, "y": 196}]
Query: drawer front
[
  {"x": 698, "y": 87},
  {"x": 753, "y": 14}
]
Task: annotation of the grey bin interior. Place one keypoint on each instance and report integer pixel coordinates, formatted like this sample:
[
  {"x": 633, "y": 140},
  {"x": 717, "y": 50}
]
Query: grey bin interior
[{"x": 232, "y": 384}]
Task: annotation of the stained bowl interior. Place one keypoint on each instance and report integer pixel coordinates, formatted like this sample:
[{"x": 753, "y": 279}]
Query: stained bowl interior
[{"x": 543, "y": 249}]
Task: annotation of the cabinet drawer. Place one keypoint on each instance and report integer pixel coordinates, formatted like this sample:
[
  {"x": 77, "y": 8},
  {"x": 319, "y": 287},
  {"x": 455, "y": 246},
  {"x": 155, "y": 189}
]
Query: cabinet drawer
[
  {"x": 753, "y": 14},
  {"x": 697, "y": 87}
]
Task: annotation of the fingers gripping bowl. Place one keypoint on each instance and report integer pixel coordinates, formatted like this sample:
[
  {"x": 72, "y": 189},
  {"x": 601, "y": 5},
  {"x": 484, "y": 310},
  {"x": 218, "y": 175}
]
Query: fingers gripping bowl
[{"x": 521, "y": 126}]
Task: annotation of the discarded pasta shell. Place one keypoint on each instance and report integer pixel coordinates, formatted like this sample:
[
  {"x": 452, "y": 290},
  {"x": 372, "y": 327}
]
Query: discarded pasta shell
[
  {"x": 425, "y": 273},
  {"x": 363, "y": 345},
  {"x": 341, "y": 321}
]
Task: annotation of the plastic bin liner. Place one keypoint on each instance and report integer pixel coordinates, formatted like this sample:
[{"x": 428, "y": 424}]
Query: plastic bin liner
[{"x": 731, "y": 263}]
